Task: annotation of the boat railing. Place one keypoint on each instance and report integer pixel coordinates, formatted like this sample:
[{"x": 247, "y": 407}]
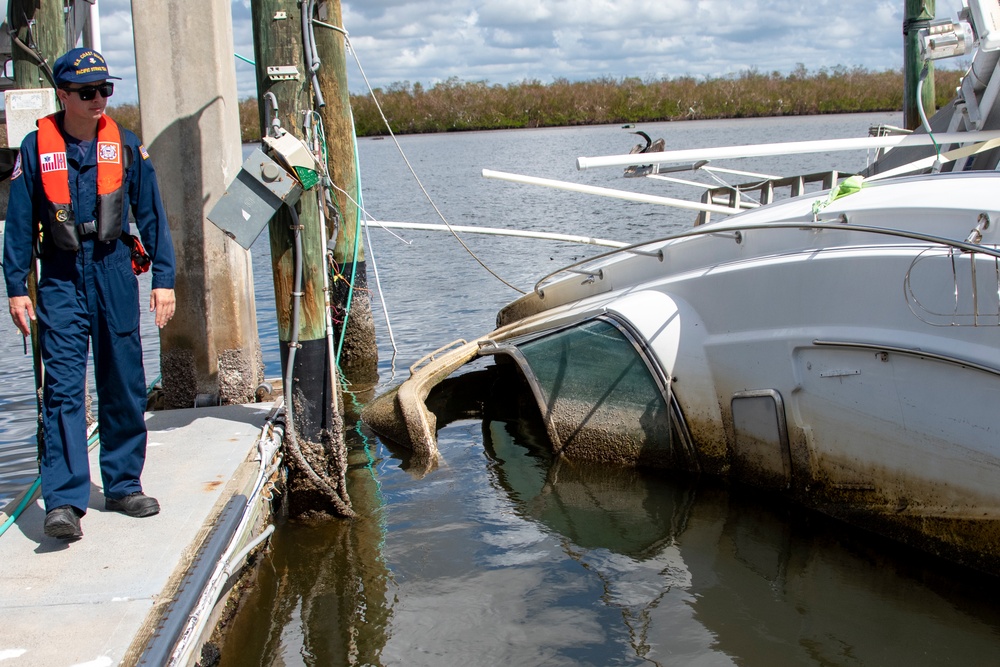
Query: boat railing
[
  {"x": 763, "y": 192},
  {"x": 974, "y": 295},
  {"x": 595, "y": 269}
]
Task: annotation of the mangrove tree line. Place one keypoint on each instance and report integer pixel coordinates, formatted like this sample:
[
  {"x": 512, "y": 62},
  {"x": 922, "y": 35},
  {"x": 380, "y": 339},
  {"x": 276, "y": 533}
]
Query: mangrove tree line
[{"x": 456, "y": 105}]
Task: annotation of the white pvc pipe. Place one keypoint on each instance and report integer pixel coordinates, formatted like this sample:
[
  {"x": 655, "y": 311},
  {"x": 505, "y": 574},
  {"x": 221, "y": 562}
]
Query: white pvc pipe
[
  {"x": 955, "y": 154},
  {"x": 682, "y": 181},
  {"x": 608, "y": 192},
  {"x": 92, "y": 32},
  {"x": 494, "y": 231},
  {"x": 738, "y": 172},
  {"x": 787, "y": 148}
]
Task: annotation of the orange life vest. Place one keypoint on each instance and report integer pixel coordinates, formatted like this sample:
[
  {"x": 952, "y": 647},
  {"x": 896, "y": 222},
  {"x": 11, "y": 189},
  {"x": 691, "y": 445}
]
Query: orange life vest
[{"x": 55, "y": 182}]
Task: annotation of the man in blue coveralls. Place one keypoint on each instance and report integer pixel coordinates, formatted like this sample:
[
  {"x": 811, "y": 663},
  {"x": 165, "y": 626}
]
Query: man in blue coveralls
[{"x": 71, "y": 190}]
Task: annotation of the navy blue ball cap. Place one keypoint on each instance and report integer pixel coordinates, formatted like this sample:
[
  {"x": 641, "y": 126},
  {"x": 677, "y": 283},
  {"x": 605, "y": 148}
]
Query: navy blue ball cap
[{"x": 80, "y": 66}]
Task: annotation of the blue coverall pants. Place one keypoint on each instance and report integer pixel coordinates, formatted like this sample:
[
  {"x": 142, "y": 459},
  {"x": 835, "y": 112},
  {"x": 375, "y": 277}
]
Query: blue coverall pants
[{"x": 84, "y": 296}]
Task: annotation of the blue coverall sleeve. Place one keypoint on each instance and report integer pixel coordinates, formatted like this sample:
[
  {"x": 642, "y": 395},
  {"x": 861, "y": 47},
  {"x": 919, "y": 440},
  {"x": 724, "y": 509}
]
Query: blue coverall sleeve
[
  {"x": 19, "y": 228},
  {"x": 150, "y": 216}
]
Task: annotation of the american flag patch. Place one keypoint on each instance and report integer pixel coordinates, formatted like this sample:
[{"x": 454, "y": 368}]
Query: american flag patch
[
  {"x": 53, "y": 162},
  {"x": 144, "y": 152}
]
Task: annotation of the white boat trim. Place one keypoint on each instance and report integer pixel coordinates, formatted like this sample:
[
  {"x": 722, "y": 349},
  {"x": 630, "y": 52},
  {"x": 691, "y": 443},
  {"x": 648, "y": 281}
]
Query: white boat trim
[
  {"x": 915, "y": 352},
  {"x": 786, "y": 148},
  {"x": 610, "y": 192}
]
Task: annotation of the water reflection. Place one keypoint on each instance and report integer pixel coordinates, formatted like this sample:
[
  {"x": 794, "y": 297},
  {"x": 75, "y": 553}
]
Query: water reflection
[
  {"x": 693, "y": 571},
  {"x": 531, "y": 559},
  {"x": 322, "y": 593}
]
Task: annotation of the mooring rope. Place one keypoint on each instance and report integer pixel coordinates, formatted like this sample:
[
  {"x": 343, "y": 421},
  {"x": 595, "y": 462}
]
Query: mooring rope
[{"x": 413, "y": 172}]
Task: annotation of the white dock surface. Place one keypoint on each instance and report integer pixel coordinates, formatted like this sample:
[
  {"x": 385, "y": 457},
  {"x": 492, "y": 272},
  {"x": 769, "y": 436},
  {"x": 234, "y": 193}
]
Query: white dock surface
[{"x": 83, "y": 602}]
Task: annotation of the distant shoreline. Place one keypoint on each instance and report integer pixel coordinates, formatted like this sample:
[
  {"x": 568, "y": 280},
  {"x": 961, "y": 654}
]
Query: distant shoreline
[{"x": 455, "y": 106}]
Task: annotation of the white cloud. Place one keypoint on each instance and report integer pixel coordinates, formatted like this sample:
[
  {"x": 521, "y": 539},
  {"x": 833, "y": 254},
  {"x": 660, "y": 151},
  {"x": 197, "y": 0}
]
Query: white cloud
[{"x": 506, "y": 41}]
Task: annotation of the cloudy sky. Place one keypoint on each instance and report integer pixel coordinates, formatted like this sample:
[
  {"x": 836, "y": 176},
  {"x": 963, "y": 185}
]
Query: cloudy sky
[{"x": 505, "y": 41}]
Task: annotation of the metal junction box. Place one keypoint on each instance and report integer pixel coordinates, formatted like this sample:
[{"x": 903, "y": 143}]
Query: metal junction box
[
  {"x": 254, "y": 196},
  {"x": 24, "y": 107}
]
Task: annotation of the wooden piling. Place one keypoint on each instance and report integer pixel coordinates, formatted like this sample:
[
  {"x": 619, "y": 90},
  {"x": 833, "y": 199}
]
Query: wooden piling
[
  {"x": 359, "y": 350},
  {"x": 317, "y": 440},
  {"x": 918, "y": 14},
  {"x": 47, "y": 35}
]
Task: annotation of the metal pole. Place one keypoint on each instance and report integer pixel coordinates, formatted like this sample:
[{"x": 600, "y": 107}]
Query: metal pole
[{"x": 918, "y": 14}]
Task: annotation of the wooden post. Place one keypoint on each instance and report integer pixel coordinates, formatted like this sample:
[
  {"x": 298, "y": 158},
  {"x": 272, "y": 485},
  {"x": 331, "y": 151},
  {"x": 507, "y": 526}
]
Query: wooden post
[
  {"x": 359, "y": 354},
  {"x": 209, "y": 353},
  {"x": 317, "y": 455},
  {"x": 278, "y": 43},
  {"x": 918, "y": 14},
  {"x": 43, "y": 28}
]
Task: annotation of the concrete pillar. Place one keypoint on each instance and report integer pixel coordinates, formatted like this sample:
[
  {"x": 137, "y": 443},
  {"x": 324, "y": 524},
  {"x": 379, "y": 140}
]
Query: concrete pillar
[{"x": 190, "y": 122}]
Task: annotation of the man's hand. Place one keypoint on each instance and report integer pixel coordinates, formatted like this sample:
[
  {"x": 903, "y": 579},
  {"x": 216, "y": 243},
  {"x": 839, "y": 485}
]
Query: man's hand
[
  {"x": 160, "y": 300},
  {"x": 23, "y": 313}
]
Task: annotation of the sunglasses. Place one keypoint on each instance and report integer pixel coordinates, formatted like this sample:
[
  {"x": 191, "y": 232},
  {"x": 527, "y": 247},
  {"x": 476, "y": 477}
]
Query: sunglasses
[{"x": 87, "y": 93}]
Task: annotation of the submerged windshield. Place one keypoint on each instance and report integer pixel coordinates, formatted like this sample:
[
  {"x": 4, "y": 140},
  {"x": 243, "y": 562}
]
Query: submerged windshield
[{"x": 599, "y": 396}]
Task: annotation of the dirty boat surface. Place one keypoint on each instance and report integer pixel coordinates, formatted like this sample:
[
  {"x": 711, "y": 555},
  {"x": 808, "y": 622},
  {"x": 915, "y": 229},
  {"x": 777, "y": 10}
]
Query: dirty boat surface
[
  {"x": 846, "y": 360},
  {"x": 126, "y": 593}
]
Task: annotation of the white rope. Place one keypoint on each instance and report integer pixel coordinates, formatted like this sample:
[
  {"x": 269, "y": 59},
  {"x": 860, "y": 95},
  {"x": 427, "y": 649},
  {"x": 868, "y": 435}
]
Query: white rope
[
  {"x": 371, "y": 249},
  {"x": 496, "y": 231},
  {"x": 378, "y": 285},
  {"x": 417, "y": 178}
]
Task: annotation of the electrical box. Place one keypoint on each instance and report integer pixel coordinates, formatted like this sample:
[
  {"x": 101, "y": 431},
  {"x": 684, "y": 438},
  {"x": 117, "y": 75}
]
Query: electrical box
[
  {"x": 296, "y": 157},
  {"x": 986, "y": 19},
  {"x": 23, "y": 108},
  {"x": 292, "y": 151},
  {"x": 255, "y": 195}
]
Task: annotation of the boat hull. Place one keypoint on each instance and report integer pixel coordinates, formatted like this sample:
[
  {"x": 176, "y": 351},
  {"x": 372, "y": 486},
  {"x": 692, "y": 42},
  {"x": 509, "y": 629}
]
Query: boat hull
[{"x": 849, "y": 362}]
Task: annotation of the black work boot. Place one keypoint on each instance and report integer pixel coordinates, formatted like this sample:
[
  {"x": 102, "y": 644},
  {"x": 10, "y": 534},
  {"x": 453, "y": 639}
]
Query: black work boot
[
  {"x": 63, "y": 522},
  {"x": 135, "y": 504}
]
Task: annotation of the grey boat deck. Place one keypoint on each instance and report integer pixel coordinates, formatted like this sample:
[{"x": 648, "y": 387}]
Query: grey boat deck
[{"x": 100, "y": 600}]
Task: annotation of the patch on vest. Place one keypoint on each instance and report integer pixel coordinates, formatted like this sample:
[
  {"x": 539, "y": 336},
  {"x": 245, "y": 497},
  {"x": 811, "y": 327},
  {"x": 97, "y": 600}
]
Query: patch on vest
[
  {"x": 62, "y": 215},
  {"x": 53, "y": 162},
  {"x": 143, "y": 152},
  {"x": 107, "y": 151}
]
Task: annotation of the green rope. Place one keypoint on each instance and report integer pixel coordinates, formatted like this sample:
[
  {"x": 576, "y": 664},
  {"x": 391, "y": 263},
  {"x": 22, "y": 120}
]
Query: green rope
[
  {"x": 29, "y": 495},
  {"x": 20, "y": 508},
  {"x": 357, "y": 241},
  {"x": 33, "y": 489}
]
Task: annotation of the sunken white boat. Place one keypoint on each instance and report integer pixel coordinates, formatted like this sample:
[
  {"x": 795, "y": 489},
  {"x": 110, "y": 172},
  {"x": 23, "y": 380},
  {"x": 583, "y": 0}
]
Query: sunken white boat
[{"x": 840, "y": 348}]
